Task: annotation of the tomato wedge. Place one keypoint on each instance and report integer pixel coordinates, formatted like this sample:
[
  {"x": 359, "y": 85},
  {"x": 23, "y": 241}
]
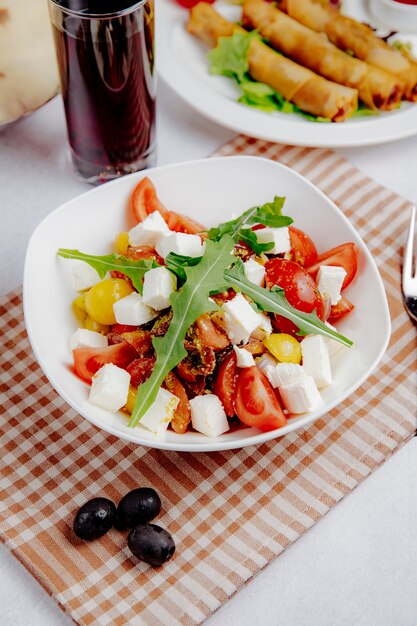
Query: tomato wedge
[
  {"x": 182, "y": 415},
  {"x": 339, "y": 310},
  {"x": 87, "y": 361},
  {"x": 256, "y": 403},
  {"x": 342, "y": 256},
  {"x": 225, "y": 385},
  {"x": 299, "y": 287},
  {"x": 144, "y": 200},
  {"x": 303, "y": 249}
]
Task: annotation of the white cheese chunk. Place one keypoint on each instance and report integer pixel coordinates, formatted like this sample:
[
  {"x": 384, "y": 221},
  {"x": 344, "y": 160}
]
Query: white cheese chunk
[
  {"x": 240, "y": 319},
  {"x": 280, "y": 374},
  {"x": 109, "y": 387},
  {"x": 244, "y": 358},
  {"x": 133, "y": 311},
  {"x": 84, "y": 276},
  {"x": 161, "y": 412},
  {"x": 330, "y": 280},
  {"x": 254, "y": 271},
  {"x": 159, "y": 283},
  {"x": 316, "y": 359},
  {"x": 208, "y": 416},
  {"x": 149, "y": 231},
  {"x": 84, "y": 338},
  {"x": 180, "y": 243},
  {"x": 264, "y": 328},
  {"x": 280, "y": 237},
  {"x": 301, "y": 396}
]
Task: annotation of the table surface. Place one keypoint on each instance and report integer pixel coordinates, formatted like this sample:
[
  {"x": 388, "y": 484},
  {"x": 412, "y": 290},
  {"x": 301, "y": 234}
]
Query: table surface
[{"x": 358, "y": 565}]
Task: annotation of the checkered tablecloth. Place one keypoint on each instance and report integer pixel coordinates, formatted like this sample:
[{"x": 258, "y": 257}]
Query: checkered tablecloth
[{"x": 230, "y": 512}]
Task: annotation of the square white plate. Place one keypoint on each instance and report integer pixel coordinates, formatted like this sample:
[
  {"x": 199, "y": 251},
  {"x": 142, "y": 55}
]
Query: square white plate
[{"x": 210, "y": 191}]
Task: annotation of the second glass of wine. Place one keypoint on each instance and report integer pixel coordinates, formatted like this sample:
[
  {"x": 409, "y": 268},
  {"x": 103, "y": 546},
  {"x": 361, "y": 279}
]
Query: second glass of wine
[{"x": 105, "y": 53}]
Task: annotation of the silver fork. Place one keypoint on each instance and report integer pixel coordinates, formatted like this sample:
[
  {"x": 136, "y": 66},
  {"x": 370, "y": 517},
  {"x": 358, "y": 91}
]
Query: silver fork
[{"x": 409, "y": 279}]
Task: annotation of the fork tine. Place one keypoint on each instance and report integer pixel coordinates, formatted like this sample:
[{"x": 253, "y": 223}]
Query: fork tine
[{"x": 409, "y": 253}]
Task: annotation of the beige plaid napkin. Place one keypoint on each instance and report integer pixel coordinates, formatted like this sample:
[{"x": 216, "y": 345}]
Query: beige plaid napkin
[{"x": 230, "y": 512}]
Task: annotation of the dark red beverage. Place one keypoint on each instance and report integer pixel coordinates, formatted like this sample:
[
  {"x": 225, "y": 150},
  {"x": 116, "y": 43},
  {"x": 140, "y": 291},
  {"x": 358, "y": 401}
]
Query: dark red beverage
[{"x": 106, "y": 62}]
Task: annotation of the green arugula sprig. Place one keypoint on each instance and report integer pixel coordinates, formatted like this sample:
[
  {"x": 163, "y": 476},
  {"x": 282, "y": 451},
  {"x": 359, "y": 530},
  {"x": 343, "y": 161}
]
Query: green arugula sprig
[
  {"x": 177, "y": 262},
  {"x": 135, "y": 270},
  {"x": 205, "y": 278},
  {"x": 268, "y": 214},
  {"x": 274, "y": 301}
]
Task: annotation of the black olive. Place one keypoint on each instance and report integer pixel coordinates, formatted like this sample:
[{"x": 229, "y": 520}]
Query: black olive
[
  {"x": 137, "y": 507},
  {"x": 151, "y": 543},
  {"x": 94, "y": 518}
]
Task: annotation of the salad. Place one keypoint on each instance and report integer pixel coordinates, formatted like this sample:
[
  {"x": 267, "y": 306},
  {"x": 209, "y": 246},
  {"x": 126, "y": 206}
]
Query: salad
[{"x": 209, "y": 329}]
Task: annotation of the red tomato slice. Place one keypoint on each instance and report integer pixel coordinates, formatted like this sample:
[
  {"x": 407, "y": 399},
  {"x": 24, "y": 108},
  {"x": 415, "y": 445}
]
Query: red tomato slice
[
  {"x": 144, "y": 201},
  {"x": 183, "y": 224},
  {"x": 210, "y": 335},
  {"x": 225, "y": 385},
  {"x": 182, "y": 415},
  {"x": 188, "y": 4},
  {"x": 299, "y": 287},
  {"x": 343, "y": 256},
  {"x": 256, "y": 404},
  {"x": 303, "y": 249},
  {"x": 140, "y": 370},
  {"x": 87, "y": 361},
  {"x": 339, "y": 310}
]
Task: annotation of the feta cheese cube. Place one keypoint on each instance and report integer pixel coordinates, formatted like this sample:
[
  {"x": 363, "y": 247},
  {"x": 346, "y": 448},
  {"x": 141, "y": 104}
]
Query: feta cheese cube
[
  {"x": 84, "y": 276},
  {"x": 280, "y": 237},
  {"x": 84, "y": 338},
  {"x": 133, "y": 311},
  {"x": 149, "y": 231},
  {"x": 316, "y": 360},
  {"x": 159, "y": 283},
  {"x": 161, "y": 412},
  {"x": 208, "y": 416},
  {"x": 301, "y": 396},
  {"x": 109, "y": 387},
  {"x": 254, "y": 271},
  {"x": 240, "y": 319},
  {"x": 181, "y": 243},
  {"x": 264, "y": 327},
  {"x": 244, "y": 358},
  {"x": 330, "y": 280},
  {"x": 280, "y": 374}
]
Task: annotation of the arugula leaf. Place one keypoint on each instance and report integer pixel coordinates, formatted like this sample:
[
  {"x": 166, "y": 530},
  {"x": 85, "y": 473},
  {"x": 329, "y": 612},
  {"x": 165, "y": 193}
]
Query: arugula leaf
[
  {"x": 248, "y": 236},
  {"x": 177, "y": 262},
  {"x": 135, "y": 270},
  {"x": 202, "y": 280},
  {"x": 274, "y": 301},
  {"x": 269, "y": 214}
]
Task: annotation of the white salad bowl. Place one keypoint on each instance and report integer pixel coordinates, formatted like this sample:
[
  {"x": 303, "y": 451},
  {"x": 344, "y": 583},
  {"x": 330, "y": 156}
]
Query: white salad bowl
[{"x": 210, "y": 191}]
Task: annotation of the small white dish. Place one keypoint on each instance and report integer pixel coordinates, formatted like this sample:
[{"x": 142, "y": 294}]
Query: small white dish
[
  {"x": 210, "y": 191},
  {"x": 395, "y": 15},
  {"x": 182, "y": 63}
]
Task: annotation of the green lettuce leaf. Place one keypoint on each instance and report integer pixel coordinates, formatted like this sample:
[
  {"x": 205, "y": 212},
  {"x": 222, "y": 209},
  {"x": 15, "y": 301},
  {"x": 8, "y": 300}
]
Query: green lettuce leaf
[
  {"x": 229, "y": 57},
  {"x": 191, "y": 301},
  {"x": 135, "y": 270}
]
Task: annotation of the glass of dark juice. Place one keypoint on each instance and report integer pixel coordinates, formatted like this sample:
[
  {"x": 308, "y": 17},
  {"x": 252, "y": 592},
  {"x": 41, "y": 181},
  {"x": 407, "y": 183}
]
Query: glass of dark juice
[{"x": 105, "y": 51}]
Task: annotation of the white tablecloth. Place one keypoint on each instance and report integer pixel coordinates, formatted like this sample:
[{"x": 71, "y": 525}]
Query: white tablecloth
[{"x": 356, "y": 566}]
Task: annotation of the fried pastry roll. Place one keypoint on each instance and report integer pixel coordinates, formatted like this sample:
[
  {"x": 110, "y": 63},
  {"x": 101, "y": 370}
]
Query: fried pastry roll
[
  {"x": 378, "y": 89},
  {"x": 312, "y": 93}
]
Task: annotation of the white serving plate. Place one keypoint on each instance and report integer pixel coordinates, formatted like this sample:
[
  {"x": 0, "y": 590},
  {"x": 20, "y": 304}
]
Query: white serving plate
[
  {"x": 210, "y": 191},
  {"x": 182, "y": 63}
]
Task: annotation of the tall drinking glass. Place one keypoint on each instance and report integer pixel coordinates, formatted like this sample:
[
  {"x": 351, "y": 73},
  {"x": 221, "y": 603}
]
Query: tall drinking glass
[{"x": 105, "y": 51}]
